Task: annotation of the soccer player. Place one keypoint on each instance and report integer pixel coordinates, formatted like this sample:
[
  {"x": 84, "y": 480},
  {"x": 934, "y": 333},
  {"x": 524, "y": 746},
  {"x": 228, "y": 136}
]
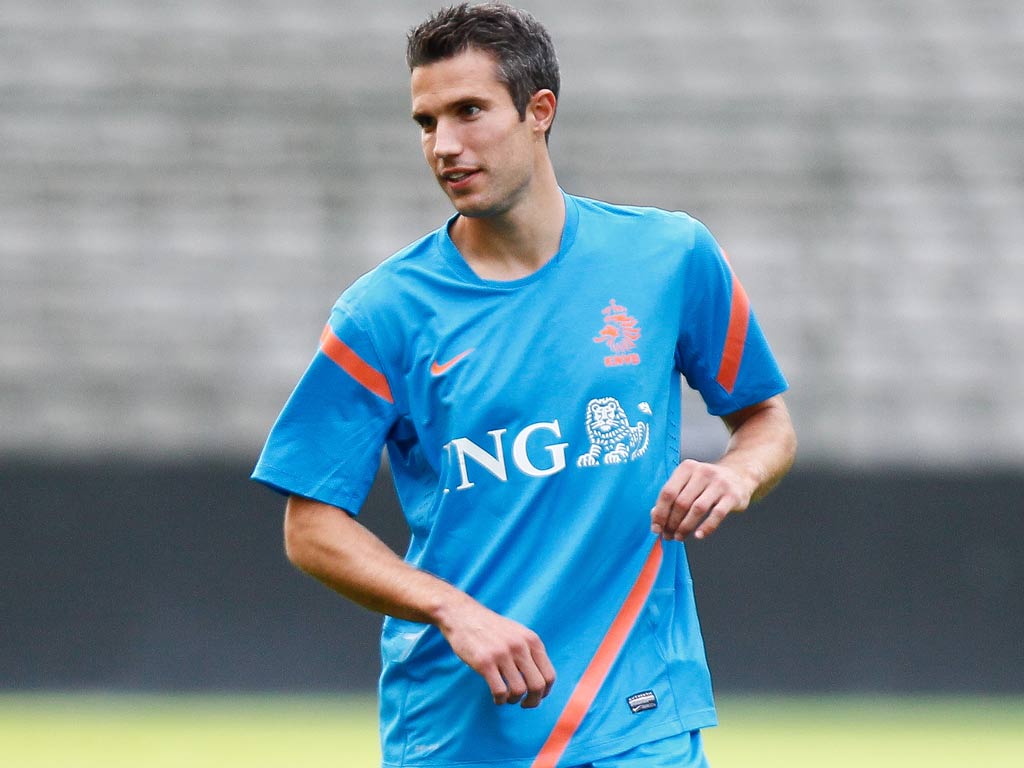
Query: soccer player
[{"x": 522, "y": 364}]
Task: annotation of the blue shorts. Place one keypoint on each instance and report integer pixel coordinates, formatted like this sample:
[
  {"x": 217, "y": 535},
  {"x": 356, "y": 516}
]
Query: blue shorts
[{"x": 684, "y": 750}]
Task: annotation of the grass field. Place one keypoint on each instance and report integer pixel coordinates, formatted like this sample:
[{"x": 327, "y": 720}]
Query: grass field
[{"x": 115, "y": 731}]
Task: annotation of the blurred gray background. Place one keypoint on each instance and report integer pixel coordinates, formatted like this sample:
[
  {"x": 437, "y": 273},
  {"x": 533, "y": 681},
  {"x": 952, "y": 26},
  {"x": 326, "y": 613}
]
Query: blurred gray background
[{"x": 185, "y": 188}]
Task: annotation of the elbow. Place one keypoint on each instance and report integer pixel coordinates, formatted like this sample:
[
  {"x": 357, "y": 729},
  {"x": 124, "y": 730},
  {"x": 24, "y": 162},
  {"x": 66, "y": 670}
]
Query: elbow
[
  {"x": 297, "y": 535},
  {"x": 791, "y": 446},
  {"x": 785, "y": 432},
  {"x": 787, "y": 441}
]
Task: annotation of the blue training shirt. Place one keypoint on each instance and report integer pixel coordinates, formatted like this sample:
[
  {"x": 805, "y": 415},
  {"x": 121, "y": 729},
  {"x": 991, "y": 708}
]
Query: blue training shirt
[{"x": 530, "y": 425}]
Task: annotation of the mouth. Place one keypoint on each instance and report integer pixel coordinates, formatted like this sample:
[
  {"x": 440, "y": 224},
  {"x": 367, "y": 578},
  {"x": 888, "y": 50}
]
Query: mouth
[{"x": 458, "y": 178}]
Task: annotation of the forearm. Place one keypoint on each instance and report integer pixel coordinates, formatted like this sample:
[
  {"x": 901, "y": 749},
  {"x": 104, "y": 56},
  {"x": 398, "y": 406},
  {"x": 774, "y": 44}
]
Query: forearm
[
  {"x": 762, "y": 445},
  {"x": 328, "y": 544},
  {"x": 337, "y": 550}
]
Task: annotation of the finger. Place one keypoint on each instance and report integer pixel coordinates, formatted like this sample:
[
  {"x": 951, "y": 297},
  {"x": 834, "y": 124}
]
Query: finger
[
  {"x": 689, "y": 509},
  {"x": 694, "y": 504},
  {"x": 515, "y": 684},
  {"x": 496, "y": 682},
  {"x": 714, "y": 519},
  {"x": 662, "y": 508},
  {"x": 695, "y": 513},
  {"x": 538, "y": 673},
  {"x": 675, "y": 519},
  {"x": 544, "y": 666},
  {"x": 547, "y": 669},
  {"x": 666, "y": 498},
  {"x": 535, "y": 686}
]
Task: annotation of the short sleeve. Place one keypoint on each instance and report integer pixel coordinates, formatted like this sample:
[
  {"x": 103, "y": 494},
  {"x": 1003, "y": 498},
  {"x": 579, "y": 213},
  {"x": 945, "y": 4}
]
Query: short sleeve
[
  {"x": 721, "y": 349},
  {"x": 326, "y": 444}
]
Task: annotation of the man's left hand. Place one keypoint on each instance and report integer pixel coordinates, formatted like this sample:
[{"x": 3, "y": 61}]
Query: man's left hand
[{"x": 696, "y": 499}]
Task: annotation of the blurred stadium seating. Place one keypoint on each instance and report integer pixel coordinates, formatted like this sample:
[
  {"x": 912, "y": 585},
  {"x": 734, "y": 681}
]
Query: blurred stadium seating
[{"x": 184, "y": 189}]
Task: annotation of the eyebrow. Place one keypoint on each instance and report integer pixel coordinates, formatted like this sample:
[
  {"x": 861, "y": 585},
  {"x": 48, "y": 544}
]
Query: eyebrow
[{"x": 454, "y": 106}]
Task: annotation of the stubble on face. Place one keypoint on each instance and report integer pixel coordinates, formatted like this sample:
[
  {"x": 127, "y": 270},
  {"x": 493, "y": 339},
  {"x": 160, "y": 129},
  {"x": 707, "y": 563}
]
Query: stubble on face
[{"x": 474, "y": 140}]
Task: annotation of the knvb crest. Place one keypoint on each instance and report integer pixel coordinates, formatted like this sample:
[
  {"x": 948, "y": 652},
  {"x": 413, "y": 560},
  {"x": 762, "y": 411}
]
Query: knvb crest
[{"x": 620, "y": 333}]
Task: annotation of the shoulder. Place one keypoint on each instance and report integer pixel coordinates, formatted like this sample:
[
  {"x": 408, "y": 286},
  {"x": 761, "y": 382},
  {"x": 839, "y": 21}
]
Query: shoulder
[
  {"x": 677, "y": 227},
  {"x": 670, "y": 244},
  {"x": 383, "y": 286}
]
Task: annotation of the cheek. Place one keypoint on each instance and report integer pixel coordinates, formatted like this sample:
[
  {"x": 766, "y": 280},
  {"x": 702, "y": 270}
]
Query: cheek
[{"x": 498, "y": 139}]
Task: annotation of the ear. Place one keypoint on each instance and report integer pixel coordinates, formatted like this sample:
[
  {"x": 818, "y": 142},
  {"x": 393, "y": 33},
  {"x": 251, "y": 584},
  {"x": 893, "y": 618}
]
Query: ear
[{"x": 542, "y": 108}]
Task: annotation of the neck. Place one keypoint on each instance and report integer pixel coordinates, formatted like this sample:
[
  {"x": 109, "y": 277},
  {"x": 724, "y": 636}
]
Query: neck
[{"x": 518, "y": 242}]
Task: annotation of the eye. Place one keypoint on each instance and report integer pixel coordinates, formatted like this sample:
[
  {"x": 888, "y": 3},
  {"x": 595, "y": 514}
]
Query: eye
[
  {"x": 425, "y": 123},
  {"x": 471, "y": 110}
]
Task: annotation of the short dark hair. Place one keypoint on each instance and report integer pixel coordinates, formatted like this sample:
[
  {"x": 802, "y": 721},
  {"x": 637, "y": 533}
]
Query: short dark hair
[{"x": 519, "y": 43}]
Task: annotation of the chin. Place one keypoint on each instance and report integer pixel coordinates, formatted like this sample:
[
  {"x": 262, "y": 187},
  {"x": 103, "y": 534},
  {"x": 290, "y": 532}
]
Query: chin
[
  {"x": 473, "y": 212},
  {"x": 475, "y": 209}
]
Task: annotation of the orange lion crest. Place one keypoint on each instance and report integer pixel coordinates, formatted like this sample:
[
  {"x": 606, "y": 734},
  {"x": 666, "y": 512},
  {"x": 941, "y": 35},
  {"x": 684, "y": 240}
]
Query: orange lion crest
[{"x": 620, "y": 330}]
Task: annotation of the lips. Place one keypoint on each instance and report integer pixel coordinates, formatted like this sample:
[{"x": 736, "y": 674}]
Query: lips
[{"x": 457, "y": 178}]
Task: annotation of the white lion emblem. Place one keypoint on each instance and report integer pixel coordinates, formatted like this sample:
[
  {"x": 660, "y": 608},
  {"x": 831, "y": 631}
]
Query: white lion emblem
[{"x": 613, "y": 439}]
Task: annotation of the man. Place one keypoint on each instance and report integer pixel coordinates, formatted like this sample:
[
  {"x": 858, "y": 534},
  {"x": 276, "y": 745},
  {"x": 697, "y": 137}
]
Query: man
[{"x": 522, "y": 366}]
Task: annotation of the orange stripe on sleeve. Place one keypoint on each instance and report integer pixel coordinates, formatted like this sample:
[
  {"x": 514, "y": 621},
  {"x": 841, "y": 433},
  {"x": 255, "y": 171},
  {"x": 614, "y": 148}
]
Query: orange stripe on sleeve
[
  {"x": 595, "y": 673},
  {"x": 735, "y": 337},
  {"x": 346, "y": 359}
]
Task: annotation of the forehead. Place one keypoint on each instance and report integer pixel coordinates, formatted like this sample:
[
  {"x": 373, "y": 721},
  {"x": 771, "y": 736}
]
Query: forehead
[{"x": 467, "y": 75}]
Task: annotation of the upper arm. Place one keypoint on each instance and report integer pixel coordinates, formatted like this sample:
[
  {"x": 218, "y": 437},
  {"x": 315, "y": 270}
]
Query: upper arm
[
  {"x": 319, "y": 536},
  {"x": 721, "y": 349},
  {"x": 304, "y": 518},
  {"x": 774, "y": 406},
  {"x": 326, "y": 443}
]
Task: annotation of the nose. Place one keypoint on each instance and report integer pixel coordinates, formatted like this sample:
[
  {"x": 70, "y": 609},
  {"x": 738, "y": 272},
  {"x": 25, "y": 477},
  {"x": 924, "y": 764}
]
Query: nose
[{"x": 446, "y": 140}]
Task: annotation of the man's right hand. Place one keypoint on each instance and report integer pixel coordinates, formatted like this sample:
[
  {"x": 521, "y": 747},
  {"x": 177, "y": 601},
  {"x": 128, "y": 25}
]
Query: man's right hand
[
  {"x": 330, "y": 545},
  {"x": 510, "y": 657}
]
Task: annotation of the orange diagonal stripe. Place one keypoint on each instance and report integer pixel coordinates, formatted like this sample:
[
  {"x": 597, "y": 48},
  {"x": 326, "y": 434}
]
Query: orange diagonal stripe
[
  {"x": 352, "y": 364},
  {"x": 735, "y": 337},
  {"x": 590, "y": 683}
]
